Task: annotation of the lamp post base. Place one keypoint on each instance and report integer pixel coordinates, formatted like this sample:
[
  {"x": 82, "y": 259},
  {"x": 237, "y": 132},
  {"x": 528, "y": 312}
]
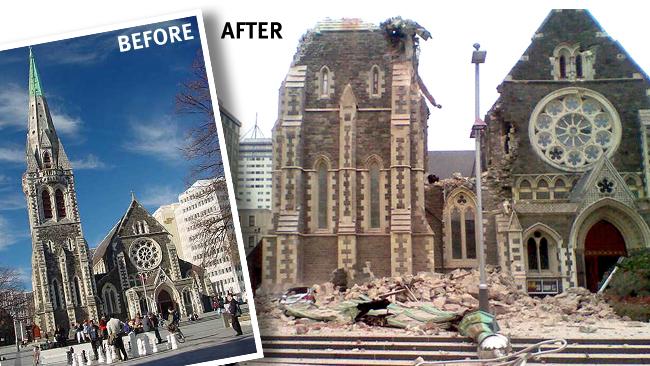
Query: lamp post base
[{"x": 483, "y": 303}]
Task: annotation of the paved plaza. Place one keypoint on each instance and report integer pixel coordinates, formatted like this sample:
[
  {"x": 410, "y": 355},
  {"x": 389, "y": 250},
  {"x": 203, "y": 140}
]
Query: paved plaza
[{"x": 207, "y": 340}]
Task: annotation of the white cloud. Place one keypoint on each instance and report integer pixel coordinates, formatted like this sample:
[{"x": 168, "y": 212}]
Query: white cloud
[
  {"x": 156, "y": 196},
  {"x": 12, "y": 155},
  {"x": 88, "y": 163},
  {"x": 65, "y": 124},
  {"x": 161, "y": 139},
  {"x": 7, "y": 234},
  {"x": 13, "y": 106},
  {"x": 12, "y": 202}
]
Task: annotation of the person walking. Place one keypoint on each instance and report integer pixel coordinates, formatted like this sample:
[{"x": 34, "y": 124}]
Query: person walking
[
  {"x": 94, "y": 336},
  {"x": 37, "y": 355},
  {"x": 235, "y": 313},
  {"x": 115, "y": 332},
  {"x": 153, "y": 323},
  {"x": 80, "y": 333}
]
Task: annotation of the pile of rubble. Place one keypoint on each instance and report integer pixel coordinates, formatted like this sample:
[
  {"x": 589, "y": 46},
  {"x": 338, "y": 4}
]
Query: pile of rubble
[{"x": 454, "y": 294}]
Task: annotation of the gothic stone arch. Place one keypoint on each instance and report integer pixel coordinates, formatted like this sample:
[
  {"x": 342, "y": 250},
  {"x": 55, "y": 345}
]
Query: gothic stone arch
[{"x": 629, "y": 223}]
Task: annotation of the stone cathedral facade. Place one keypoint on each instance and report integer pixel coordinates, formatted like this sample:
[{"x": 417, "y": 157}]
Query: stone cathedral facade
[
  {"x": 566, "y": 162},
  {"x": 567, "y": 150},
  {"x": 349, "y": 157},
  {"x": 62, "y": 279},
  {"x": 135, "y": 269}
]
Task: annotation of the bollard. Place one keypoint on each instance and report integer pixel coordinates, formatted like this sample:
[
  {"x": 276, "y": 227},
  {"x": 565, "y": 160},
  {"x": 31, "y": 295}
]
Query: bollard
[
  {"x": 154, "y": 348},
  {"x": 174, "y": 342},
  {"x": 87, "y": 360},
  {"x": 80, "y": 359},
  {"x": 100, "y": 355},
  {"x": 133, "y": 346},
  {"x": 74, "y": 360},
  {"x": 109, "y": 354},
  {"x": 146, "y": 343},
  {"x": 169, "y": 341}
]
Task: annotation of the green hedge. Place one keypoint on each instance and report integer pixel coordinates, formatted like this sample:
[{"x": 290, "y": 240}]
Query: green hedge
[{"x": 629, "y": 289}]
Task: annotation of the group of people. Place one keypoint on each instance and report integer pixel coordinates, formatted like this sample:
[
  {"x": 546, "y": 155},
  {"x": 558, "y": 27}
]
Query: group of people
[{"x": 112, "y": 329}]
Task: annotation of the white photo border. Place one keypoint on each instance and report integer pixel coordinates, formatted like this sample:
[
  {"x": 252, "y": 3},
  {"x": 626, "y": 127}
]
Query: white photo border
[{"x": 198, "y": 14}]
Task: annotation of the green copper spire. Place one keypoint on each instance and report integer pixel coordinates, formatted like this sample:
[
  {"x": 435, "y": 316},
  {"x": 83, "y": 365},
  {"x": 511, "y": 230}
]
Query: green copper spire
[{"x": 34, "y": 81}]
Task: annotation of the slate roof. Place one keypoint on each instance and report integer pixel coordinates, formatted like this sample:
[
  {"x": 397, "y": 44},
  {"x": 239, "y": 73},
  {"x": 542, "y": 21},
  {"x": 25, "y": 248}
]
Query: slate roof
[{"x": 445, "y": 163}]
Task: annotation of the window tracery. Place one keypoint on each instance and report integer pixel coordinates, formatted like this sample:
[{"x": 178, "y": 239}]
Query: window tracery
[
  {"x": 573, "y": 127},
  {"x": 461, "y": 228}
]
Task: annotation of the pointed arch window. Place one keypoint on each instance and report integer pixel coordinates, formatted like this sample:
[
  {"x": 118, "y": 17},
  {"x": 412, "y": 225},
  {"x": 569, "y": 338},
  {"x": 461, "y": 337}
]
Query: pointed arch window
[
  {"x": 187, "y": 301},
  {"x": 375, "y": 81},
  {"x": 461, "y": 227},
  {"x": 47, "y": 160},
  {"x": 525, "y": 190},
  {"x": 542, "y": 192},
  {"x": 47, "y": 204},
  {"x": 560, "y": 190},
  {"x": 579, "y": 66},
  {"x": 456, "y": 235},
  {"x": 60, "y": 204},
  {"x": 562, "y": 67},
  {"x": 111, "y": 304},
  {"x": 322, "y": 195},
  {"x": 77, "y": 291},
  {"x": 55, "y": 295},
  {"x": 537, "y": 248},
  {"x": 374, "y": 196},
  {"x": 325, "y": 82}
]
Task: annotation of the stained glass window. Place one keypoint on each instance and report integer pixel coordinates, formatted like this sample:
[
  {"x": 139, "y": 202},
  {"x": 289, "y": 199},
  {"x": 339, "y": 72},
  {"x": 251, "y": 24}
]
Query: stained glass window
[
  {"x": 374, "y": 196},
  {"x": 572, "y": 128}
]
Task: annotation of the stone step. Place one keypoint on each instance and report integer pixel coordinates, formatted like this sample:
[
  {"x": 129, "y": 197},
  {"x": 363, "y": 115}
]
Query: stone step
[
  {"x": 383, "y": 350},
  {"x": 444, "y": 346}
]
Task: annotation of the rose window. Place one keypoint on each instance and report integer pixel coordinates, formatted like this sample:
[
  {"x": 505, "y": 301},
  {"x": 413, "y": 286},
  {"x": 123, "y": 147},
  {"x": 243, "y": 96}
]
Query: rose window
[
  {"x": 573, "y": 128},
  {"x": 145, "y": 254}
]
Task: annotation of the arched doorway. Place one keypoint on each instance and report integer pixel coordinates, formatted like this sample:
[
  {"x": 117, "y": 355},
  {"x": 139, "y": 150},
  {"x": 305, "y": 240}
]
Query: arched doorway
[
  {"x": 604, "y": 244},
  {"x": 164, "y": 302}
]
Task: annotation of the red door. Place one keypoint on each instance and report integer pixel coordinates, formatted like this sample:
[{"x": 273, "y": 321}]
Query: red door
[{"x": 604, "y": 244}]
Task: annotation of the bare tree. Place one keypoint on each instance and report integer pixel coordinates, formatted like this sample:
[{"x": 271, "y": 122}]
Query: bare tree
[
  {"x": 203, "y": 150},
  {"x": 14, "y": 301}
]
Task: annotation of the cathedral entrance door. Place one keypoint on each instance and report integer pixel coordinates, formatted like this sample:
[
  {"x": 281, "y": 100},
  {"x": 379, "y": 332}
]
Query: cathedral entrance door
[
  {"x": 164, "y": 302},
  {"x": 604, "y": 244}
]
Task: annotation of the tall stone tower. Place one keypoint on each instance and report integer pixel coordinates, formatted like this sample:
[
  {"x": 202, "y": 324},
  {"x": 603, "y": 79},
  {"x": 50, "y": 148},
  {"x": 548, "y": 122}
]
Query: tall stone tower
[
  {"x": 64, "y": 289},
  {"x": 349, "y": 151}
]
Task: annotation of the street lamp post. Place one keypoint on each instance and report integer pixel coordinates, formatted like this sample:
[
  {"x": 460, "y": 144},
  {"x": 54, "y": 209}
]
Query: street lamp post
[
  {"x": 143, "y": 277},
  {"x": 478, "y": 57}
]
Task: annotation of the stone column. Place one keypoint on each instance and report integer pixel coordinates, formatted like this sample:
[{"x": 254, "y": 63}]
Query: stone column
[
  {"x": 516, "y": 251},
  {"x": 401, "y": 225},
  {"x": 348, "y": 183},
  {"x": 290, "y": 176},
  {"x": 644, "y": 117},
  {"x": 69, "y": 305}
]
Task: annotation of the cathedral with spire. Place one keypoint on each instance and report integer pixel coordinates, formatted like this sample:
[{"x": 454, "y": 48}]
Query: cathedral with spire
[
  {"x": 134, "y": 270},
  {"x": 62, "y": 279}
]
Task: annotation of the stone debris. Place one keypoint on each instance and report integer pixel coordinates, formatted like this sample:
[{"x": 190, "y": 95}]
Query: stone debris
[{"x": 418, "y": 296}]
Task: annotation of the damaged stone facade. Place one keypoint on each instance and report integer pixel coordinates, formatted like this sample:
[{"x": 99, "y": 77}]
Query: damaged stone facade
[
  {"x": 349, "y": 157},
  {"x": 566, "y": 158},
  {"x": 566, "y": 175}
]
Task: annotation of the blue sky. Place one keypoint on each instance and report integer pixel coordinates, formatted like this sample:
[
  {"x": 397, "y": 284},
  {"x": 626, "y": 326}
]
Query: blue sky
[{"x": 115, "y": 115}]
